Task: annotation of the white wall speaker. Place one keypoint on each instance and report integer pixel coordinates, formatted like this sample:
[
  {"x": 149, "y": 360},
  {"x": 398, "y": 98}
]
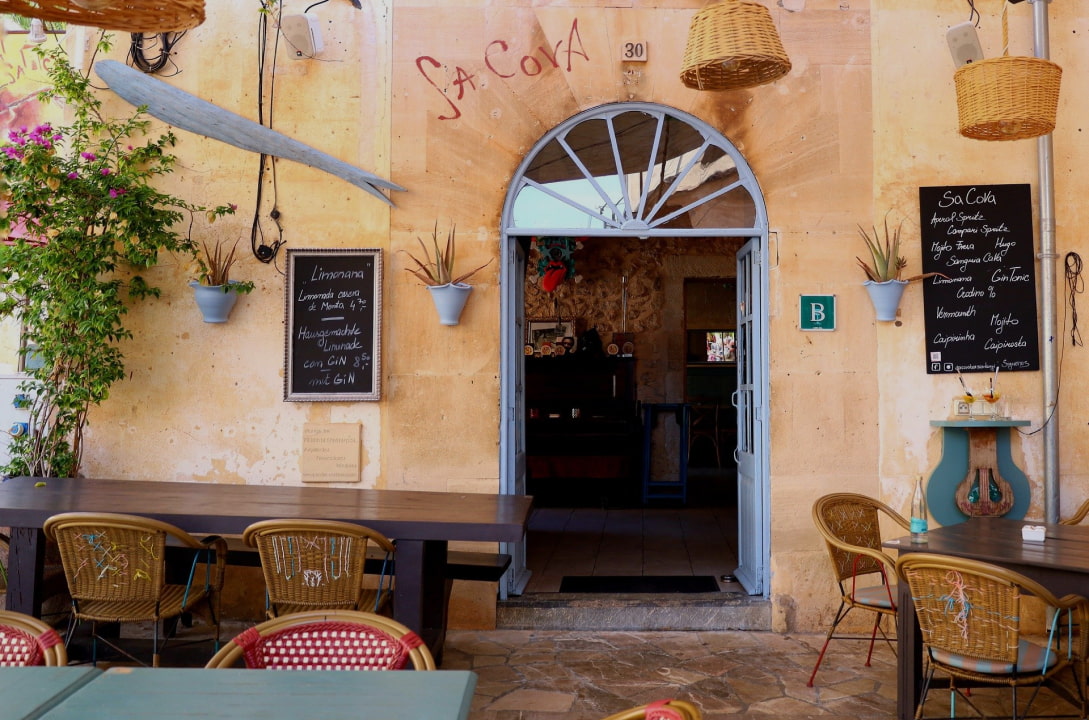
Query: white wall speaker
[
  {"x": 964, "y": 44},
  {"x": 302, "y": 34}
]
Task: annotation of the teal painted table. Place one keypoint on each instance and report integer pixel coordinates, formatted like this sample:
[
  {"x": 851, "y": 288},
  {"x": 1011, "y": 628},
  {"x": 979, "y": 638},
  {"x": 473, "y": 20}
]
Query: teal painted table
[
  {"x": 956, "y": 462},
  {"x": 189, "y": 693},
  {"x": 26, "y": 693}
]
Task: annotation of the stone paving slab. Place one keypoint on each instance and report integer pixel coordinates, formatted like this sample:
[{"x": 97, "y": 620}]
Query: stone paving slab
[{"x": 581, "y": 675}]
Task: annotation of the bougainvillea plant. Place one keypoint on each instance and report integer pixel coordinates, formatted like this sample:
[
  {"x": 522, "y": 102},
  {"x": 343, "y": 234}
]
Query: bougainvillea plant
[{"x": 81, "y": 220}]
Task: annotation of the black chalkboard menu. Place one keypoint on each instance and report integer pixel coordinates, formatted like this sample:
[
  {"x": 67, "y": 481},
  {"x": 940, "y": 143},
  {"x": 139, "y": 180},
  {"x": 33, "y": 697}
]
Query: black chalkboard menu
[
  {"x": 334, "y": 323},
  {"x": 983, "y": 315}
]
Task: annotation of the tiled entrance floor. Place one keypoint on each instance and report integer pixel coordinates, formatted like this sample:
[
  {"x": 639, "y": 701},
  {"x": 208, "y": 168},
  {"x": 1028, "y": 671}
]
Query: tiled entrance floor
[{"x": 629, "y": 541}]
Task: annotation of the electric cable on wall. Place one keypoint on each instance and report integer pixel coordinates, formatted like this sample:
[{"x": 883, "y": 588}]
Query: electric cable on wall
[
  {"x": 1075, "y": 285},
  {"x": 142, "y": 44},
  {"x": 262, "y": 250}
]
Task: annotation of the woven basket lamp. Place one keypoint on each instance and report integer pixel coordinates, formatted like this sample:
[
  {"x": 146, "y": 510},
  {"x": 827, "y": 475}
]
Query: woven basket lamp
[
  {"x": 132, "y": 16},
  {"x": 1007, "y": 98},
  {"x": 732, "y": 45}
]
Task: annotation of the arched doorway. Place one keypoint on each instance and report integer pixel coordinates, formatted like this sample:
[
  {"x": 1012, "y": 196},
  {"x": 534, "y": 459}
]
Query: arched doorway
[{"x": 651, "y": 173}]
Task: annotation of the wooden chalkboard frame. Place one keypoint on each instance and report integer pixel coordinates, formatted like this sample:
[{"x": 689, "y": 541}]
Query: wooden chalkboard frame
[{"x": 330, "y": 382}]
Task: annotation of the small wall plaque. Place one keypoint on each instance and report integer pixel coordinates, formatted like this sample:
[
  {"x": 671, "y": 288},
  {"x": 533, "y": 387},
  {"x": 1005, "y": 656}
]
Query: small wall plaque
[
  {"x": 633, "y": 51},
  {"x": 331, "y": 452}
]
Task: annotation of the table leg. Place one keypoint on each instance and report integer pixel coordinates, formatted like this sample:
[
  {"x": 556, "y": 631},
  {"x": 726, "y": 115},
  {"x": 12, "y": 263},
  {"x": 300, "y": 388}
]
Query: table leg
[
  {"x": 26, "y": 566},
  {"x": 909, "y": 665},
  {"x": 419, "y": 596}
]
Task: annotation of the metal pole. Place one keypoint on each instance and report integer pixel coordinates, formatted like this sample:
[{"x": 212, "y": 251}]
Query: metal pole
[{"x": 1048, "y": 258}]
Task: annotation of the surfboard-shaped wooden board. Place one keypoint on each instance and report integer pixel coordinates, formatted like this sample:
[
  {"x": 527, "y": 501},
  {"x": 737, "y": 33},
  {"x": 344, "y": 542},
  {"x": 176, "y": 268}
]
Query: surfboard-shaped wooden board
[{"x": 188, "y": 112}]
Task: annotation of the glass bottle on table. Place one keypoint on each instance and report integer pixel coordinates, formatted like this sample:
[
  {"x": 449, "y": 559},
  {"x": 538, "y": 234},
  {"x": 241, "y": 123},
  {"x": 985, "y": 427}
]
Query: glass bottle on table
[{"x": 919, "y": 521}]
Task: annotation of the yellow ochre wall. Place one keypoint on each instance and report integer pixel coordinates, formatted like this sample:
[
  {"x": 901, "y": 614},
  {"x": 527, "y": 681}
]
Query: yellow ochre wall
[{"x": 446, "y": 99}]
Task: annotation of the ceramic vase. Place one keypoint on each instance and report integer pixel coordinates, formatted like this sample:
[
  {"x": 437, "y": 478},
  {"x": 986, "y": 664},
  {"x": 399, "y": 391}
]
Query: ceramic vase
[
  {"x": 449, "y": 301},
  {"x": 885, "y": 297},
  {"x": 215, "y": 304}
]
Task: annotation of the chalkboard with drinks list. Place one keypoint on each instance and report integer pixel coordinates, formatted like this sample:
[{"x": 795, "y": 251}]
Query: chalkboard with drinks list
[
  {"x": 334, "y": 322},
  {"x": 982, "y": 315}
]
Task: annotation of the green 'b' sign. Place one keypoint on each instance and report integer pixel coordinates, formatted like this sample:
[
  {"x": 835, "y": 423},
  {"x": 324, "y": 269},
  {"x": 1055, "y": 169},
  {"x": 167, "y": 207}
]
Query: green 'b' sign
[{"x": 818, "y": 312}]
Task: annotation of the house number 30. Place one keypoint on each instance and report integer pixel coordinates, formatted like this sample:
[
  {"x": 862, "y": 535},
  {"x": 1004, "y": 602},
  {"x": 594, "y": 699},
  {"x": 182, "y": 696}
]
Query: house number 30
[{"x": 633, "y": 51}]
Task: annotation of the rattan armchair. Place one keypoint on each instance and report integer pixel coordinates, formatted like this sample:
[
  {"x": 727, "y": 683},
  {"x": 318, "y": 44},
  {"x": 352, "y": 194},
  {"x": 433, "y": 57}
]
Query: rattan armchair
[
  {"x": 660, "y": 710},
  {"x": 970, "y": 614},
  {"x": 318, "y": 565},
  {"x": 326, "y": 640},
  {"x": 26, "y": 640},
  {"x": 1078, "y": 515},
  {"x": 851, "y": 527},
  {"x": 115, "y": 567}
]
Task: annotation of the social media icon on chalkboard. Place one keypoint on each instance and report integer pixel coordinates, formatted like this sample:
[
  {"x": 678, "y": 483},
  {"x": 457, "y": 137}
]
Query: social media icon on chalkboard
[
  {"x": 935, "y": 367},
  {"x": 949, "y": 367}
]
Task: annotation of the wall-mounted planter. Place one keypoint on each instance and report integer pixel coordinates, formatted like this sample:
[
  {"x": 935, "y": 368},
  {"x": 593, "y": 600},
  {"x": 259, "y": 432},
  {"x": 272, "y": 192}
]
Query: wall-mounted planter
[
  {"x": 885, "y": 297},
  {"x": 450, "y": 300},
  {"x": 214, "y": 302}
]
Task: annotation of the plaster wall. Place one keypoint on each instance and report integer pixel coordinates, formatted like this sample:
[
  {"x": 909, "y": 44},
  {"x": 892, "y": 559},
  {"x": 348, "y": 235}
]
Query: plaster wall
[{"x": 446, "y": 99}]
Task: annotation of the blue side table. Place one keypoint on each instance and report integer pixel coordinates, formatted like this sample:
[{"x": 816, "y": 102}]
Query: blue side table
[
  {"x": 666, "y": 489},
  {"x": 955, "y": 465}
]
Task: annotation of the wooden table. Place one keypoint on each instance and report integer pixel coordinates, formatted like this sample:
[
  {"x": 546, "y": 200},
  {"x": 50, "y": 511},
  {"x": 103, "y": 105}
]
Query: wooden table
[
  {"x": 1060, "y": 563},
  {"x": 187, "y": 693},
  {"x": 27, "y": 692},
  {"x": 423, "y": 523}
]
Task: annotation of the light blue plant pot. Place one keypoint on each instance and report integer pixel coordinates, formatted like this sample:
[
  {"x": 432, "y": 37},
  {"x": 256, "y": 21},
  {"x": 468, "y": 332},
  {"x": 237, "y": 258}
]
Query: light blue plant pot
[
  {"x": 215, "y": 304},
  {"x": 885, "y": 297},
  {"x": 450, "y": 301}
]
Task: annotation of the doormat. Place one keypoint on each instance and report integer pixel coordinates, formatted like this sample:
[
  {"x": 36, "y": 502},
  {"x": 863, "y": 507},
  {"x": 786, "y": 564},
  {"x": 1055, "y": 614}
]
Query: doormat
[{"x": 638, "y": 584}]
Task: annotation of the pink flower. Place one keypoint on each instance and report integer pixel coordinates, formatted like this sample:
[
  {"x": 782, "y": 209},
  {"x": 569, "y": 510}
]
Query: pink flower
[
  {"x": 105, "y": 171},
  {"x": 73, "y": 176},
  {"x": 88, "y": 156},
  {"x": 116, "y": 192}
]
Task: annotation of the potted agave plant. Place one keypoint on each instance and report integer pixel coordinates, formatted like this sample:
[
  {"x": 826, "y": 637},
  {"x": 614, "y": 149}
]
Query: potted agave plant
[
  {"x": 448, "y": 291},
  {"x": 213, "y": 289},
  {"x": 883, "y": 273}
]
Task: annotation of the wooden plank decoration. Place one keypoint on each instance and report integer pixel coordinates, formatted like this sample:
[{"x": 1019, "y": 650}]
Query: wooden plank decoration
[
  {"x": 334, "y": 323},
  {"x": 982, "y": 317},
  {"x": 188, "y": 112}
]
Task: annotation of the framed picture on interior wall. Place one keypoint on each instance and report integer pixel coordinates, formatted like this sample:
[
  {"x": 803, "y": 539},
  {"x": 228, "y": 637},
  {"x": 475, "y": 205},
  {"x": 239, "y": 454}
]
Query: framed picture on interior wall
[{"x": 544, "y": 334}]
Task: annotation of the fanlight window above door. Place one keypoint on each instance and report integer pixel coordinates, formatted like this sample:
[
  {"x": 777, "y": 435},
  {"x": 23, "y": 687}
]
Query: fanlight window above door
[{"x": 635, "y": 169}]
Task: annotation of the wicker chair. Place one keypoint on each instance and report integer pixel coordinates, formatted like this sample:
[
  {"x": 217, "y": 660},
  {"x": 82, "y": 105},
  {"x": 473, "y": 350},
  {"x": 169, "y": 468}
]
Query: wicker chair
[
  {"x": 317, "y": 565},
  {"x": 969, "y": 614},
  {"x": 660, "y": 710},
  {"x": 326, "y": 640},
  {"x": 850, "y": 526},
  {"x": 116, "y": 570},
  {"x": 1078, "y": 515},
  {"x": 26, "y": 640}
]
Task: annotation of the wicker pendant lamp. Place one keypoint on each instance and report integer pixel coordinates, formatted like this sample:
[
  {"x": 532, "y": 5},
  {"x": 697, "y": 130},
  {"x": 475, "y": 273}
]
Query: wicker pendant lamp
[
  {"x": 731, "y": 45},
  {"x": 132, "y": 16},
  {"x": 1007, "y": 98}
]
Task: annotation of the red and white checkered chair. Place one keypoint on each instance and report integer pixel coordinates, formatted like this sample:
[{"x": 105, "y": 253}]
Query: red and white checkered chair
[
  {"x": 326, "y": 640},
  {"x": 660, "y": 710},
  {"x": 26, "y": 640}
]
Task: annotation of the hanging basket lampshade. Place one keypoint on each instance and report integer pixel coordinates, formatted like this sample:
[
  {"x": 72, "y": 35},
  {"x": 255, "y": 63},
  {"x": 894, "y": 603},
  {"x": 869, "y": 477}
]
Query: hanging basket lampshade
[
  {"x": 132, "y": 16},
  {"x": 1007, "y": 98},
  {"x": 732, "y": 45}
]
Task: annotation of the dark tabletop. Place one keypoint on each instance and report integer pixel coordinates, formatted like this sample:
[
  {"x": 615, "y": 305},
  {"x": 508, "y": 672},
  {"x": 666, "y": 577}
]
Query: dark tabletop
[{"x": 228, "y": 509}]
